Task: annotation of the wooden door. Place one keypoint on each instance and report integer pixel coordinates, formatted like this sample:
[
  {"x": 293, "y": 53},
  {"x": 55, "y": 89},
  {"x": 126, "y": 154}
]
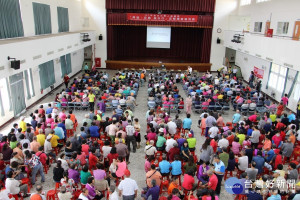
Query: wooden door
[
  {"x": 296, "y": 34},
  {"x": 268, "y": 24}
]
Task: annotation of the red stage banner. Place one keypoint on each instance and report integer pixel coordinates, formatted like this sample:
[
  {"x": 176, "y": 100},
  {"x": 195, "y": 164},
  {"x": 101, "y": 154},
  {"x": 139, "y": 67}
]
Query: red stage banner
[
  {"x": 161, "y": 17},
  {"x": 259, "y": 73}
]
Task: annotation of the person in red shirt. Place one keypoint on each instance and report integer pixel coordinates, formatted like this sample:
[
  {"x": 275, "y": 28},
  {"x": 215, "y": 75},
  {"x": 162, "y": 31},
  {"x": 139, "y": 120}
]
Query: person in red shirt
[
  {"x": 189, "y": 181},
  {"x": 213, "y": 180},
  {"x": 41, "y": 110},
  {"x": 173, "y": 151},
  {"x": 93, "y": 159},
  {"x": 85, "y": 147},
  {"x": 112, "y": 155},
  {"x": 214, "y": 144},
  {"x": 280, "y": 125},
  {"x": 43, "y": 157},
  {"x": 66, "y": 80}
]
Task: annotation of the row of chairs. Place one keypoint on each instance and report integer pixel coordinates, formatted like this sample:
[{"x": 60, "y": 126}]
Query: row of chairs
[
  {"x": 113, "y": 104},
  {"x": 72, "y": 105}
]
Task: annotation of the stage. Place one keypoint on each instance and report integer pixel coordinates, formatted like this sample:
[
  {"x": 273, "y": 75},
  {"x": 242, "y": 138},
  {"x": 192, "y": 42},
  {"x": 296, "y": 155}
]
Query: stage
[{"x": 148, "y": 63}]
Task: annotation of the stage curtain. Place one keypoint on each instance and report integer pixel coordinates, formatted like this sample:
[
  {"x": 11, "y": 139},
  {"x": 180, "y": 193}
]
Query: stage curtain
[
  {"x": 186, "y": 44},
  {"x": 204, "y": 21},
  {"x": 206, "y": 45},
  {"x": 172, "y": 5}
]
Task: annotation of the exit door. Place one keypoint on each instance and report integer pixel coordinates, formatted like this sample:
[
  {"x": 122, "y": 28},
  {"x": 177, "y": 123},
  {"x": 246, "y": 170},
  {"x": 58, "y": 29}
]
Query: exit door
[{"x": 296, "y": 34}]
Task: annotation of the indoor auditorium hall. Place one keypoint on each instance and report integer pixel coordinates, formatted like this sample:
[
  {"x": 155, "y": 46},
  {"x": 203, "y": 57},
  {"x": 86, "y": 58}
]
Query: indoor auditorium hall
[{"x": 149, "y": 100}]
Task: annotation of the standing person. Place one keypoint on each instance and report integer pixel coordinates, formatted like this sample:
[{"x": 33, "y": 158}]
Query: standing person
[
  {"x": 33, "y": 161},
  {"x": 66, "y": 80},
  {"x": 128, "y": 187},
  {"x": 251, "y": 79},
  {"x": 188, "y": 104},
  {"x": 92, "y": 98},
  {"x": 219, "y": 170},
  {"x": 86, "y": 68},
  {"x": 130, "y": 136}
]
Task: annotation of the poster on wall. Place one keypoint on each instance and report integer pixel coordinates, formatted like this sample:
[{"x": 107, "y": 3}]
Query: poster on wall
[{"x": 259, "y": 73}]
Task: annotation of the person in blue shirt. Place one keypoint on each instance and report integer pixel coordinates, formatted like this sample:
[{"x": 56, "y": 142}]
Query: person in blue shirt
[
  {"x": 176, "y": 166},
  {"x": 274, "y": 195},
  {"x": 249, "y": 131},
  {"x": 62, "y": 125},
  {"x": 187, "y": 122},
  {"x": 236, "y": 117},
  {"x": 291, "y": 116},
  {"x": 164, "y": 167},
  {"x": 94, "y": 130},
  {"x": 269, "y": 155},
  {"x": 219, "y": 170},
  {"x": 59, "y": 132},
  {"x": 49, "y": 109},
  {"x": 253, "y": 195},
  {"x": 260, "y": 162}
]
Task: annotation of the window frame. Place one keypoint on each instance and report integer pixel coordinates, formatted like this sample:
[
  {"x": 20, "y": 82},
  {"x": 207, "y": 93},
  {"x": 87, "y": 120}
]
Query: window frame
[{"x": 279, "y": 75}]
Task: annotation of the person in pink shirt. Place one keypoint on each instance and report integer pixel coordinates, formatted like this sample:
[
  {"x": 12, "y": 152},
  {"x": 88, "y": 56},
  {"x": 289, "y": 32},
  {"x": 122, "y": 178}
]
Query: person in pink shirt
[
  {"x": 62, "y": 115},
  {"x": 151, "y": 135},
  {"x": 220, "y": 121},
  {"x": 285, "y": 100},
  {"x": 49, "y": 120},
  {"x": 121, "y": 167},
  {"x": 148, "y": 163},
  {"x": 188, "y": 104},
  {"x": 236, "y": 146},
  {"x": 252, "y": 118}
]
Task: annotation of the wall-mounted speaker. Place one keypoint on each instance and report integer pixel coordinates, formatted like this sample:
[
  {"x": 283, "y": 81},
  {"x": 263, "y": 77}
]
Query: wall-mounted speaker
[
  {"x": 100, "y": 37},
  {"x": 15, "y": 64},
  {"x": 218, "y": 41}
]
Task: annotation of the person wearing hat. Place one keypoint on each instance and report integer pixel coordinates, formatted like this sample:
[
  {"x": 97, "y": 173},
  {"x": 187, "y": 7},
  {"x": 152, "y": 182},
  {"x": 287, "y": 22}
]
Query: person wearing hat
[
  {"x": 128, "y": 187},
  {"x": 48, "y": 147}
]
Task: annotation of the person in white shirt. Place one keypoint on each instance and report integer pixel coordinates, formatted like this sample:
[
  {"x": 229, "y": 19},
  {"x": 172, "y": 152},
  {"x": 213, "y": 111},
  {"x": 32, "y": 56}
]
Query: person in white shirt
[
  {"x": 84, "y": 195},
  {"x": 172, "y": 128},
  {"x": 64, "y": 163},
  {"x": 14, "y": 186},
  {"x": 243, "y": 161},
  {"x": 106, "y": 148},
  {"x": 223, "y": 143},
  {"x": 150, "y": 150},
  {"x": 170, "y": 143},
  {"x": 213, "y": 131},
  {"x": 130, "y": 136},
  {"x": 113, "y": 195},
  {"x": 63, "y": 194},
  {"x": 128, "y": 187}
]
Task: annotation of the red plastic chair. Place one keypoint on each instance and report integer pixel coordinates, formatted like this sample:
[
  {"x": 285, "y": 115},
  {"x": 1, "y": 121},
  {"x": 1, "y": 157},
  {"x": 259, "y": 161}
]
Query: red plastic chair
[
  {"x": 164, "y": 186},
  {"x": 226, "y": 173},
  {"x": 70, "y": 133},
  {"x": 51, "y": 195}
]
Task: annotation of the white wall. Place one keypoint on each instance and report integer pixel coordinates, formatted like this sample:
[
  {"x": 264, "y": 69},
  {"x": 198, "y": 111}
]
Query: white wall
[
  {"x": 221, "y": 20},
  {"x": 26, "y": 49},
  {"x": 274, "y": 10},
  {"x": 95, "y": 11},
  {"x": 74, "y": 9}
]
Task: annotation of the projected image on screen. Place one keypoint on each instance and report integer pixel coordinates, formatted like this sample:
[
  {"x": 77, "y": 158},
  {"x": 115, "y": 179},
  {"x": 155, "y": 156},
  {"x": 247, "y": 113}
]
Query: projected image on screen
[{"x": 158, "y": 37}]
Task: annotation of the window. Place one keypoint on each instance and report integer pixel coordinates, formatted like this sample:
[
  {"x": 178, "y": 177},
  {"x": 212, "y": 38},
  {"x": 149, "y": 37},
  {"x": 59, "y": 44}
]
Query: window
[
  {"x": 47, "y": 75},
  {"x": 245, "y": 2},
  {"x": 29, "y": 83},
  {"x": 277, "y": 77},
  {"x": 63, "y": 19},
  {"x": 4, "y": 97},
  {"x": 10, "y": 21},
  {"x": 257, "y": 26},
  {"x": 259, "y": 1},
  {"x": 297, "y": 89},
  {"x": 42, "y": 18},
  {"x": 282, "y": 27}
]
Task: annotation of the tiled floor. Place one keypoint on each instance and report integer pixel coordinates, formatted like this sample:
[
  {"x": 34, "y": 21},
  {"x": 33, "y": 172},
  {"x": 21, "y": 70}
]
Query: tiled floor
[{"x": 137, "y": 160}]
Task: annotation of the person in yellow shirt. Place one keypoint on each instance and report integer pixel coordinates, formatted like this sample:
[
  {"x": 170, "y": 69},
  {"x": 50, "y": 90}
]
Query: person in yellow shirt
[
  {"x": 220, "y": 96},
  {"x": 41, "y": 137},
  {"x": 91, "y": 100},
  {"x": 241, "y": 137},
  {"x": 22, "y": 124},
  {"x": 54, "y": 140}
]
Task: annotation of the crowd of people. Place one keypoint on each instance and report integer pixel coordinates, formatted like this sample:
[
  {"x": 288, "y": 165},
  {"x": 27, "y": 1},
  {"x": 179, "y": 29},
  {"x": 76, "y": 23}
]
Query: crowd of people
[{"x": 90, "y": 158}]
